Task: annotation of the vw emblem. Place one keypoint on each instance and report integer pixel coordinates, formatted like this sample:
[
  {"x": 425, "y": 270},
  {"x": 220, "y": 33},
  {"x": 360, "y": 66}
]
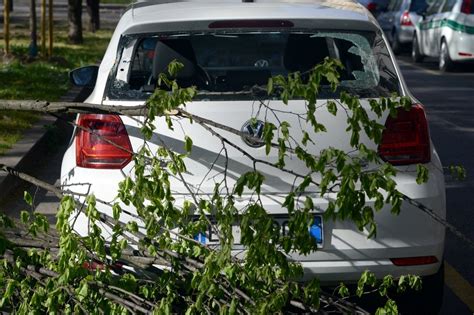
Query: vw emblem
[
  {"x": 255, "y": 129},
  {"x": 261, "y": 63}
]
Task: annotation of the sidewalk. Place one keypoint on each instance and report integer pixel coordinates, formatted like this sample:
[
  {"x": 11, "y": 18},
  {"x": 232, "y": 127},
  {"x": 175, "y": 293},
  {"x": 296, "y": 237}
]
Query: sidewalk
[{"x": 39, "y": 154}]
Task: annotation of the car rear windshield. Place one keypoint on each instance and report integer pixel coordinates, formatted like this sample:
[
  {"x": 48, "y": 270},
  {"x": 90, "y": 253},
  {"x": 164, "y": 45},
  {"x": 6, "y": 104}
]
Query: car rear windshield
[{"x": 231, "y": 65}]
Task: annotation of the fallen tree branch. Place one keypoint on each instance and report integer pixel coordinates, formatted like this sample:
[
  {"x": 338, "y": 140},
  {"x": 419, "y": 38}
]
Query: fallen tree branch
[
  {"x": 70, "y": 107},
  {"x": 146, "y": 259}
]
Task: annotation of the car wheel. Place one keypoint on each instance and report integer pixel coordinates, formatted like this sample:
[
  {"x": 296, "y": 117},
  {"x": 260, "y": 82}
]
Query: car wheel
[
  {"x": 445, "y": 62},
  {"x": 426, "y": 301},
  {"x": 415, "y": 51},
  {"x": 396, "y": 46}
]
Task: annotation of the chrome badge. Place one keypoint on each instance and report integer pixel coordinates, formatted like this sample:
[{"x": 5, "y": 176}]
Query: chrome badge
[{"x": 253, "y": 128}]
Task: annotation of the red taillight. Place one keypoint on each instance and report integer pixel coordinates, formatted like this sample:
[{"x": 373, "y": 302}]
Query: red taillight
[
  {"x": 414, "y": 261},
  {"x": 372, "y": 7},
  {"x": 102, "y": 142},
  {"x": 406, "y": 139},
  {"x": 405, "y": 19},
  {"x": 94, "y": 266},
  {"x": 466, "y": 7}
]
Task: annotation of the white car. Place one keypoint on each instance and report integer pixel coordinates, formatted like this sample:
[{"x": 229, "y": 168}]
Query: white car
[
  {"x": 229, "y": 46},
  {"x": 446, "y": 32}
]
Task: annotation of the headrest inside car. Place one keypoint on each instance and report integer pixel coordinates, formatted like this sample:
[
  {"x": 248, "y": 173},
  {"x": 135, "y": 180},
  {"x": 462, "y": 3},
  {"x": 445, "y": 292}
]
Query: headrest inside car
[{"x": 176, "y": 49}]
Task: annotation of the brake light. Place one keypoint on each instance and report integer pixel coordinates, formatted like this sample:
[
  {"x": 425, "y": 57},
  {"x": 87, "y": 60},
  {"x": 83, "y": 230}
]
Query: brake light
[
  {"x": 406, "y": 139},
  {"x": 466, "y": 7},
  {"x": 251, "y": 24},
  {"x": 414, "y": 261},
  {"x": 405, "y": 19},
  {"x": 372, "y": 7},
  {"x": 106, "y": 145}
]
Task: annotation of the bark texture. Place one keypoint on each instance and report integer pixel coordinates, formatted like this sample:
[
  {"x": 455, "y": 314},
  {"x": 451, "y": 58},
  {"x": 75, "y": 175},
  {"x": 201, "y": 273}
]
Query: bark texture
[
  {"x": 33, "y": 48},
  {"x": 75, "y": 21},
  {"x": 94, "y": 16}
]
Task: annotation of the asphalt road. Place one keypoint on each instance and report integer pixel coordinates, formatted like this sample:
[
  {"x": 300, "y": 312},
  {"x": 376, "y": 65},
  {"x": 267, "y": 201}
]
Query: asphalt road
[{"x": 449, "y": 102}]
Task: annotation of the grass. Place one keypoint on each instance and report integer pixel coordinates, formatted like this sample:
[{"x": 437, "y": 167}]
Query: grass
[{"x": 41, "y": 79}]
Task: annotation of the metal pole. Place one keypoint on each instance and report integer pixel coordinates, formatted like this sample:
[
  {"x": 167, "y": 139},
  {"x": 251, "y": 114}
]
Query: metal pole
[
  {"x": 6, "y": 24},
  {"x": 50, "y": 46},
  {"x": 43, "y": 27}
]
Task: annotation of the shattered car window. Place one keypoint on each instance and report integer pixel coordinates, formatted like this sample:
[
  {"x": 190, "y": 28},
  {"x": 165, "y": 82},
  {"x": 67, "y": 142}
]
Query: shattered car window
[{"x": 220, "y": 63}]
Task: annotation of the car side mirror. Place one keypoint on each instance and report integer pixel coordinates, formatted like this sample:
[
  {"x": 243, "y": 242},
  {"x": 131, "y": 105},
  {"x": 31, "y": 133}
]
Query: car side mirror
[{"x": 84, "y": 76}]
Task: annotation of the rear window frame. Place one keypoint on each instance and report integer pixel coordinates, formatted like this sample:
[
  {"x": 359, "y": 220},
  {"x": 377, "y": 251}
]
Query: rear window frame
[{"x": 135, "y": 95}]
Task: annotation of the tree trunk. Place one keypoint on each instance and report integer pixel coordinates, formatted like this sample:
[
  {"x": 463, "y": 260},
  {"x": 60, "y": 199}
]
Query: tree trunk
[
  {"x": 75, "y": 21},
  {"x": 33, "y": 48},
  {"x": 94, "y": 18}
]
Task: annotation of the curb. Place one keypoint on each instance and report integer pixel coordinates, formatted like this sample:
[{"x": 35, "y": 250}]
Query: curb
[{"x": 36, "y": 141}]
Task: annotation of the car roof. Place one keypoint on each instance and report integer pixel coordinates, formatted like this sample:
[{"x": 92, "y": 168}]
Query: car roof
[{"x": 145, "y": 15}]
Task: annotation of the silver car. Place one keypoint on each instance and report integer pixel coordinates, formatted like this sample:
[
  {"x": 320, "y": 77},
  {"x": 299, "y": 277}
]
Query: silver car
[{"x": 398, "y": 21}]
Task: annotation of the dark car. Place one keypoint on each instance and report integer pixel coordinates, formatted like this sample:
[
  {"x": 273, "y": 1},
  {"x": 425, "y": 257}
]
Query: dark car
[
  {"x": 375, "y": 6},
  {"x": 398, "y": 21}
]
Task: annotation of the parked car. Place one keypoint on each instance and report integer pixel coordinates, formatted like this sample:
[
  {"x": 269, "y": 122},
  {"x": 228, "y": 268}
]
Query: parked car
[
  {"x": 230, "y": 48},
  {"x": 375, "y": 6},
  {"x": 446, "y": 32},
  {"x": 399, "y": 20}
]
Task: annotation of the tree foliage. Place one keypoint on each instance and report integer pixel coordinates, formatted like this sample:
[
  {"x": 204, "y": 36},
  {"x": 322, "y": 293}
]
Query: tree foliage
[{"x": 156, "y": 263}]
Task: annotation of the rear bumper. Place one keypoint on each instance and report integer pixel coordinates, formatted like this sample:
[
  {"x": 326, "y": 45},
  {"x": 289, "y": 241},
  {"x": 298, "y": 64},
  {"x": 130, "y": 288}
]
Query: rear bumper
[
  {"x": 333, "y": 272},
  {"x": 461, "y": 47},
  {"x": 405, "y": 34},
  {"x": 346, "y": 252}
]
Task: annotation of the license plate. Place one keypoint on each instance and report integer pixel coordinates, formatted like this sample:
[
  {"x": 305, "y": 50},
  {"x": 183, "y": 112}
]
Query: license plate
[{"x": 316, "y": 231}]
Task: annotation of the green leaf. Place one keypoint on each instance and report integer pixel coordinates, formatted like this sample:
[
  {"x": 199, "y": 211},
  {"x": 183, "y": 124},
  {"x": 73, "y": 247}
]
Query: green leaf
[
  {"x": 390, "y": 308},
  {"x": 174, "y": 67},
  {"x": 24, "y": 217},
  {"x": 457, "y": 171},
  {"x": 332, "y": 107},
  {"x": 284, "y": 126},
  {"x": 343, "y": 291},
  {"x": 83, "y": 291},
  {"x": 132, "y": 226},
  {"x": 421, "y": 174},
  {"x": 197, "y": 250},
  {"x": 116, "y": 210},
  {"x": 28, "y": 198},
  {"x": 188, "y": 144},
  {"x": 270, "y": 86},
  {"x": 233, "y": 307}
]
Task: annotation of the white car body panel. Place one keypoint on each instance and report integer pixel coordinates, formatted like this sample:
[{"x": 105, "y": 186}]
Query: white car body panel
[
  {"x": 346, "y": 251},
  {"x": 455, "y": 27}
]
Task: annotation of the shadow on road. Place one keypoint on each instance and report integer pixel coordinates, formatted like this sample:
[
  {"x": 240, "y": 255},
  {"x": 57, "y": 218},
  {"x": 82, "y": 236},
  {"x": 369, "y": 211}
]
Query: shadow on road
[{"x": 432, "y": 64}]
